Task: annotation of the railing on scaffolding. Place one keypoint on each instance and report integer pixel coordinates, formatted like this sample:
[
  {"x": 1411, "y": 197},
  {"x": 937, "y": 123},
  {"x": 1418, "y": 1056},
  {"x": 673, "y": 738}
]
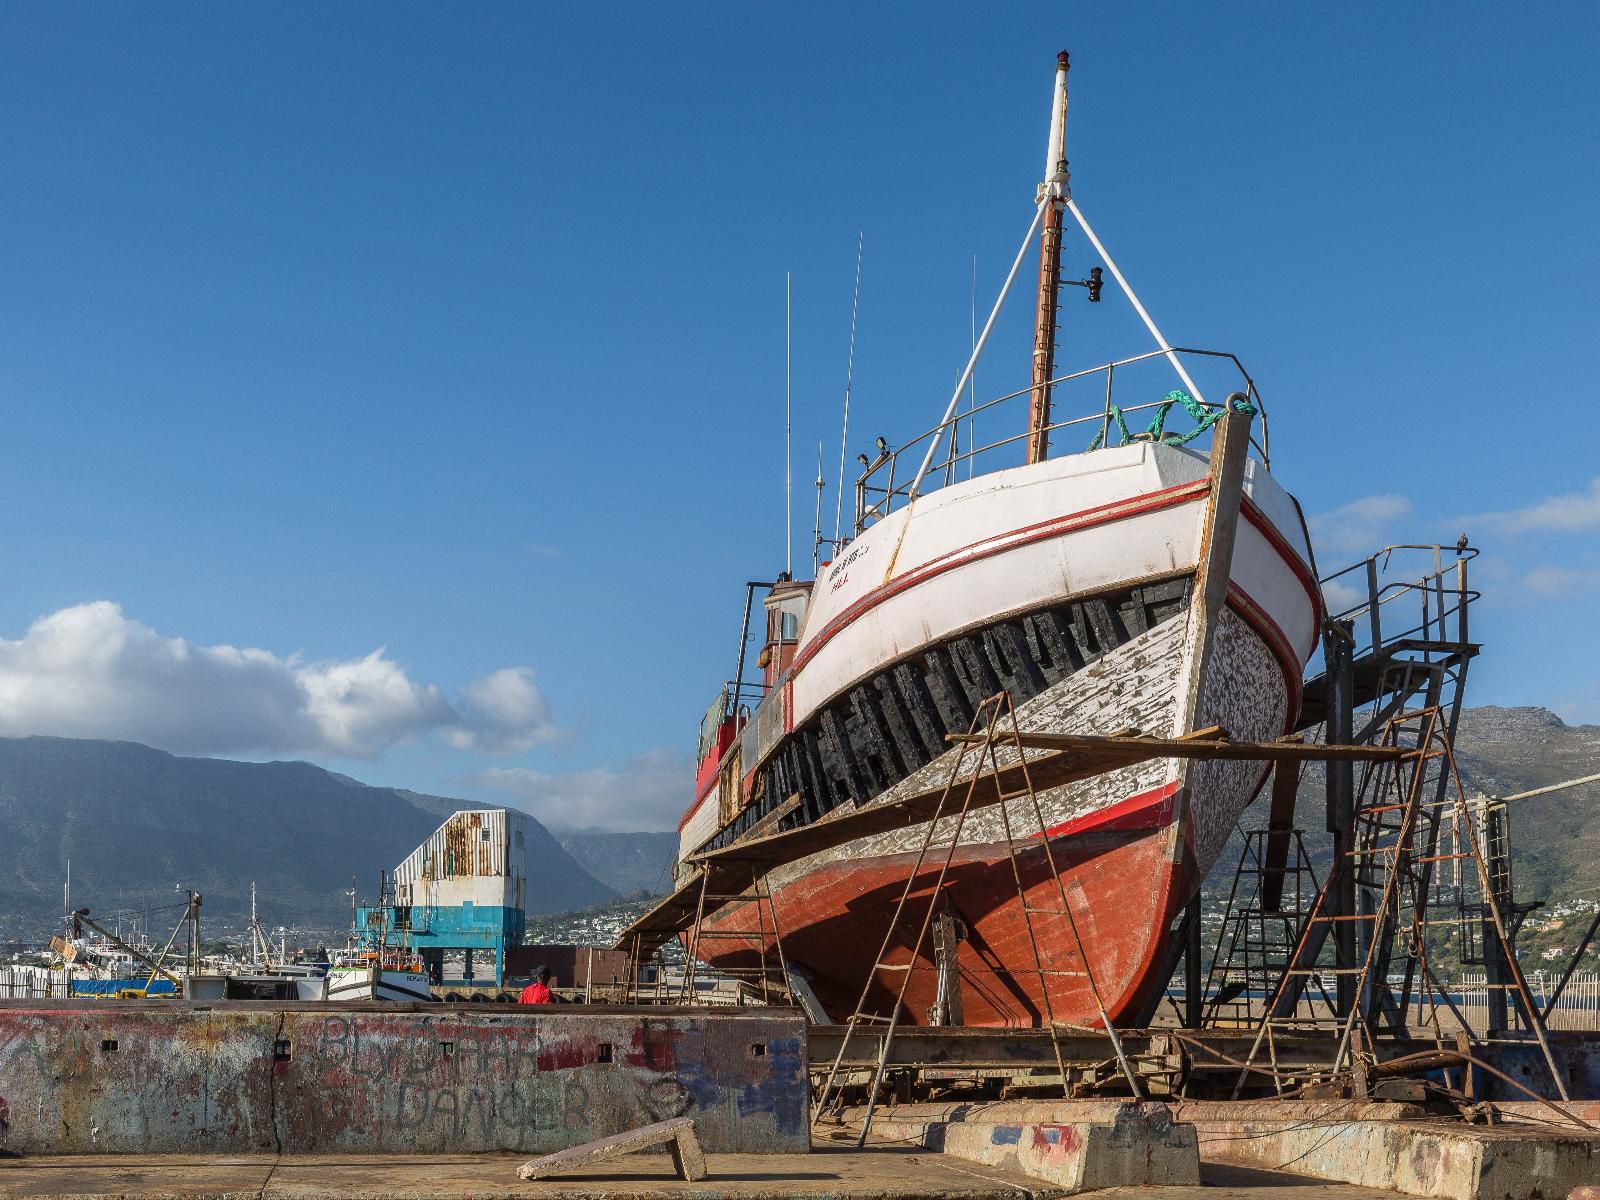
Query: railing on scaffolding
[
  {"x": 1380, "y": 610},
  {"x": 886, "y": 481}
]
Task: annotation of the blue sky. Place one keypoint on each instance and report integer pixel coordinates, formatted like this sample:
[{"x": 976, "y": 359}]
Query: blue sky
[{"x": 458, "y": 332}]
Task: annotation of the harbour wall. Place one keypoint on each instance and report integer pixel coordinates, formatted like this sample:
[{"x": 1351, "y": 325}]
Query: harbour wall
[{"x": 85, "y": 1077}]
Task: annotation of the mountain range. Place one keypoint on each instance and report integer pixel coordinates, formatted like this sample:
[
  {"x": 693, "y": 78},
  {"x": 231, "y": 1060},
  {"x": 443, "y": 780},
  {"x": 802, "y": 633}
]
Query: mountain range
[
  {"x": 631, "y": 864},
  {"x": 137, "y": 823}
]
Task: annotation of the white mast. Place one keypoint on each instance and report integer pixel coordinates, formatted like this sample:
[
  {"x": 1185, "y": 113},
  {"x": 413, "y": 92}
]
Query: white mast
[{"x": 816, "y": 532}]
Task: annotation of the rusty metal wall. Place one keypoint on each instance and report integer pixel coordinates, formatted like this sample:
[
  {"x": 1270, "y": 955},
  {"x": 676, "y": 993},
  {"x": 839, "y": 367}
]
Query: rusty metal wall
[
  {"x": 474, "y": 844},
  {"x": 235, "y": 1077}
]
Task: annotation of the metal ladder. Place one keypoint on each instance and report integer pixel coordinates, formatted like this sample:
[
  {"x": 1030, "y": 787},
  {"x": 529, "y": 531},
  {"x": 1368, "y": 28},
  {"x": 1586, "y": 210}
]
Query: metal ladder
[
  {"x": 1393, "y": 859},
  {"x": 994, "y": 727},
  {"x": 761, "y": 896},
  {"x": 1255, "y": 941}
]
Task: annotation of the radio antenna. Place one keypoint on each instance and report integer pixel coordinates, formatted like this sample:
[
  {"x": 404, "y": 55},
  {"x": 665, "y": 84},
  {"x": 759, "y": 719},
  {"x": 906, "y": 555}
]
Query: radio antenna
[
  {"x": 849, "y": 374},
  {"x": 788, "y": 473},
  {"x": 816, "y": 531},
  {"x": 972, "y": 380}
]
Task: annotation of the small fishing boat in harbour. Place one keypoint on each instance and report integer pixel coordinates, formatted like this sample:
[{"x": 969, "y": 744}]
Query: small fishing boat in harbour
[
  {"x": 378, "y": 975},
  {"x": 374, "y": 965}
]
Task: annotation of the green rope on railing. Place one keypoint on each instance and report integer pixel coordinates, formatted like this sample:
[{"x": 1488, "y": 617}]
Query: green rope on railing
[{"x": 1204, "y": 419}]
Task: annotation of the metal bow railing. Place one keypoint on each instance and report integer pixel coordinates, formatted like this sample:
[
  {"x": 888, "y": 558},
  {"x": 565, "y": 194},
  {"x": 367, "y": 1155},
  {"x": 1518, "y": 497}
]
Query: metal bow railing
[{"x": 887, "y": 480}]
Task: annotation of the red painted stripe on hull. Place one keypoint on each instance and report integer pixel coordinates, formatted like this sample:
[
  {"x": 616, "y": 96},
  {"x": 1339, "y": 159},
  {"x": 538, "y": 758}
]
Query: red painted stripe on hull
[
  {"x": 1291, "y": 558},
  {"x": 1143, "y": 810}
]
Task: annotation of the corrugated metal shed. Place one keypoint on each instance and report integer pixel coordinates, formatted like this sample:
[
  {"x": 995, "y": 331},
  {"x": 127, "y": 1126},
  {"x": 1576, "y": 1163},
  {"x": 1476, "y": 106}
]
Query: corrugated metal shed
[{"x": 478, "y": 855}]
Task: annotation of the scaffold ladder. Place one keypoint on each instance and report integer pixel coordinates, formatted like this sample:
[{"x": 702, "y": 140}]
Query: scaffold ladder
[
  {"x": 767, "y": 946},
  {"x": 1392, "y": 858},
  {"x": 993, "y": 731}
]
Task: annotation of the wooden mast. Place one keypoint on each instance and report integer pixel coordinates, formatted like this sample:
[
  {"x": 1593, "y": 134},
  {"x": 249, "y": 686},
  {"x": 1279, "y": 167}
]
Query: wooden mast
[{"x": 1053, "y": 194}]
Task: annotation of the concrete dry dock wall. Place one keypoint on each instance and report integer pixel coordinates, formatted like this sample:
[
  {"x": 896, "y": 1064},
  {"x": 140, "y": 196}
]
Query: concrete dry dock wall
[
  {"x": 1080, "y": 1145},
  {"x": 112, "y": 1077},
  {"x": 1391, "y": 1146}
]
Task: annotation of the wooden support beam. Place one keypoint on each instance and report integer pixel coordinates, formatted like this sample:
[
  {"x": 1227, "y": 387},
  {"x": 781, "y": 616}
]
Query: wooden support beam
[
  {"x": 1198, "y": 746},
  {"x": 1070, "y": 758},
  {"x": 1280, "y": 831},
  {"x": 677, "y": 1135}
]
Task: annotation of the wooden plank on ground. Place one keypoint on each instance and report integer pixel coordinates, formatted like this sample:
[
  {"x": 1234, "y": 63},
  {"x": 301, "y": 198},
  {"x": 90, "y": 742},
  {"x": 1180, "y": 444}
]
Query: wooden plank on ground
[{"x": 677, "y": 1135}]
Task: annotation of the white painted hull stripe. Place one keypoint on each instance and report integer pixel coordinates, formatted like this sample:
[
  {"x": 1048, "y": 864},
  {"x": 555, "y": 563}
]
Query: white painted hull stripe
[{"x": 996, "y": 544}]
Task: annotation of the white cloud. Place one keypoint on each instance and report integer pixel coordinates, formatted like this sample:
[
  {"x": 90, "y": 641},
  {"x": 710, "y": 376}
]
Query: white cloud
[
  {"x": 1574, "y": 512},
  {"x": 1357, "y": 528},
  {"x": 649, "y": 793},
  {"x": 1552, "y": 581},
  {"x": 1341, "y": 597},
  {"x": 505, "y": 713},
  {"x": 91, "y": 671}
]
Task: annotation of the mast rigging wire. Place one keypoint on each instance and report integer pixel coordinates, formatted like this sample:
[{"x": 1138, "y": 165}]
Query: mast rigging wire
[
  {"x": 972, "y": 383},
  {"x": 983, "y": 340},
  {"x": 1161, "y": 341},
  {"x": 849, "y": 375},
  {"x": 788, "y": 470}
]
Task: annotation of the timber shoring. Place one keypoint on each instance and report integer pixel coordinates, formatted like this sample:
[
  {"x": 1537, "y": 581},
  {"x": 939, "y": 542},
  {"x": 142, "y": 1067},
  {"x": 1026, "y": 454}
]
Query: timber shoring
[{"x": 1065, "y": 759}]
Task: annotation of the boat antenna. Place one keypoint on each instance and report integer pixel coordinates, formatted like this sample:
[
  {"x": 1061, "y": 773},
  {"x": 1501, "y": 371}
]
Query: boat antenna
[
  {"x": 972, "y": 380},
  {"x": 849, "y": 375},
  {"x": 1053, "y": 193},
  {"x": 816, "y": 532},
  {"x": 788, "y": 473}
]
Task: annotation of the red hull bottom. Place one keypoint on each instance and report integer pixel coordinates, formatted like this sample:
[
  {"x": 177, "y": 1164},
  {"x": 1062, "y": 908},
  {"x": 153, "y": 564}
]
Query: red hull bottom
[{"x": 1122, "y": 888}]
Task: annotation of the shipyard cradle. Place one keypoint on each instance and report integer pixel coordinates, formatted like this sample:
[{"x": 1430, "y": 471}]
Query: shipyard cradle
[{"x": 1107, "y": 580}]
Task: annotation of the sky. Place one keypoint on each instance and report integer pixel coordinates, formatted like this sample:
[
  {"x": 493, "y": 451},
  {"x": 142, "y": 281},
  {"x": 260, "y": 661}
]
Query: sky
[{"x": 401, "y": 387}]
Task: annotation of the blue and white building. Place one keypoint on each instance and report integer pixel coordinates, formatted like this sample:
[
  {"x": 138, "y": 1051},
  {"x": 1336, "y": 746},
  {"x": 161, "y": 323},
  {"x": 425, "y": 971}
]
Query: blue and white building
[{"x": 459, "y": 897}]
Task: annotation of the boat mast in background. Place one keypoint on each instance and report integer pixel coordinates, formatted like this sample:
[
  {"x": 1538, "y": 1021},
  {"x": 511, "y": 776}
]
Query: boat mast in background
[
  {"x": 816, "y": 530},
  {"x": 1053, "y": 195},
  {"x": 788, "y": 469},
  {"x": 849, "y": 375}
]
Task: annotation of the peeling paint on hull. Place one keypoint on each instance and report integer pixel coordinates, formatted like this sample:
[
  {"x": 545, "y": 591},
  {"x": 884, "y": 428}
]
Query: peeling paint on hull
[{"x": 1126, "y": 877}]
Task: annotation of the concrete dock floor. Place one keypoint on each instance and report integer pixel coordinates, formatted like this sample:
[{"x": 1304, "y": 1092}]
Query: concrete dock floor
[{"x": 828, "y": 1174}]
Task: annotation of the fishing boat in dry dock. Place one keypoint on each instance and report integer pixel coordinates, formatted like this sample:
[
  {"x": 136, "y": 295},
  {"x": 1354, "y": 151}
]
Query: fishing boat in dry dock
[{"x": 1108, "y": 580}]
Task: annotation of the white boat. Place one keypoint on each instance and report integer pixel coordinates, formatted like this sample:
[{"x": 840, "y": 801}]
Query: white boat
[
  {"x": 379, "y": 981},
  {"x": 1162, "y": 581}
]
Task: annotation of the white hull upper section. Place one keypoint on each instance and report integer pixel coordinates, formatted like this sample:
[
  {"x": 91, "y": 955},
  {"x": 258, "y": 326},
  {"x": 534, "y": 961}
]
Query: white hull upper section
[
  {"x": 1022, "y": 539},
  {"x": 701, "y": 826},
  {"x": 1032, "y": 536}
]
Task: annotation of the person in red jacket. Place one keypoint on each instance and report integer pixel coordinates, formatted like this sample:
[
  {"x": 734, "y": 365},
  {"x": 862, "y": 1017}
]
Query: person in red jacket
[{"x": 538, "y": 992}]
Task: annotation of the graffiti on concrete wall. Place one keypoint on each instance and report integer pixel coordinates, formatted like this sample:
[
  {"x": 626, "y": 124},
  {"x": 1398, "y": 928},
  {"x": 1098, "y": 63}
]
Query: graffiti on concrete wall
[{"x": 310, "y": 1079}]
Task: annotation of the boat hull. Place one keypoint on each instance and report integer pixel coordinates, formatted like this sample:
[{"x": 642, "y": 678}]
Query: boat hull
[
  {"x": 1122, "y": 887},
  {"x": 1130, "y": 848},
  {"x": 371, "y": 983},
  {"x": 1090, "y": 590}
]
